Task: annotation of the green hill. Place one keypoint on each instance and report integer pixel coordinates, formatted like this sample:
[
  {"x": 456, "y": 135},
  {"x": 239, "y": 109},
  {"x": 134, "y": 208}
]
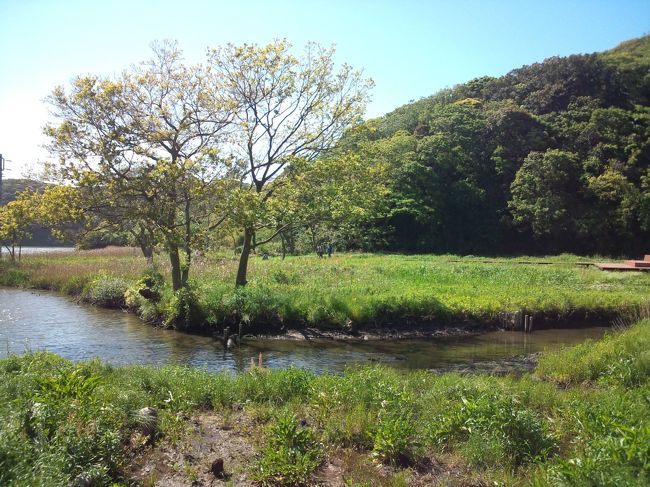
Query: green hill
[{"x": 551, "y": 157}]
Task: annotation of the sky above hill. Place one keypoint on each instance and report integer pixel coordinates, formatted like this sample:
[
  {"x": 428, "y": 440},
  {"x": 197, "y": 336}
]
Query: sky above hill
[{"x": 411, "y": 48}]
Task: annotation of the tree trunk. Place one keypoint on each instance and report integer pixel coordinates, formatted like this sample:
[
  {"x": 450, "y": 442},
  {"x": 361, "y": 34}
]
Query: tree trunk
[
  {"x": 284, "y": 249},
  {"x": 187, "y": 244},
  {"x": 243, "y": 259},
  {"x": 147, "y": 251},
  {"x": 145, "y": 240},
  {"x": 175, "y": 261}
]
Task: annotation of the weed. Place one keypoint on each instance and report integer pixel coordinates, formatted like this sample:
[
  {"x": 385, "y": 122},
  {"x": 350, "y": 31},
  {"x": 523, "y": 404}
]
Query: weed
[{"x": 290, "y": 456}]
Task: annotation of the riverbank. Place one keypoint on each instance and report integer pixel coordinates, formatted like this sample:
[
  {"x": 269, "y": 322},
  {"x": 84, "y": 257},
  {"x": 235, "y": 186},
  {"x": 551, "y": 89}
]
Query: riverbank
[
  {"x": 390, "y": 295},
  {"x": 94, "y": 424}
]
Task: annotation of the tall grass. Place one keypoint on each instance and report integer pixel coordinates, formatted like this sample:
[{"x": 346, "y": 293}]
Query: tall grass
[{"x": 364, "y": 290}]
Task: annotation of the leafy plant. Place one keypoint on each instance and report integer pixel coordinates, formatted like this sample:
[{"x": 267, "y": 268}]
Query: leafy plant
[
  {"x": 290, "y": 456},
  {"x": 395, "y": 439}
]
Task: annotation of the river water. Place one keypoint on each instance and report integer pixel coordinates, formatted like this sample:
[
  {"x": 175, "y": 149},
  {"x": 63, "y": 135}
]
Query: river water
[{"x": 32, "y": 320}]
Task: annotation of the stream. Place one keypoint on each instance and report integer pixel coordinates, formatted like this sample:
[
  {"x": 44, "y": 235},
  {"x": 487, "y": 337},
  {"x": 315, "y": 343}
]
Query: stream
[{"x": 37, "y": 320}]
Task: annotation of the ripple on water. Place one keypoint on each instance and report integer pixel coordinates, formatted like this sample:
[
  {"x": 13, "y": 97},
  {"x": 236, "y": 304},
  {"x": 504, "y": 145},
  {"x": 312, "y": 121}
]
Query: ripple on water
[{"x": 46, "y": 321}]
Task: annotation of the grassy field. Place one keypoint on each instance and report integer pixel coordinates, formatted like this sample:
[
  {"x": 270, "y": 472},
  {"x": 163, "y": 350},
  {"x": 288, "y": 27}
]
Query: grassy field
[
  {"x": 364, "y": 290},
  {"x": 81, "y": 424}
]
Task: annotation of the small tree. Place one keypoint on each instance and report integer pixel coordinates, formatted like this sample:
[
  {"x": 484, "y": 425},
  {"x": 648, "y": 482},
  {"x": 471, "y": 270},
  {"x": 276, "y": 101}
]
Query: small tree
[
  {"x": 141, "y": 147},
  {"x": 288, "y": 109},
  {"x": 16, "y": 218}
]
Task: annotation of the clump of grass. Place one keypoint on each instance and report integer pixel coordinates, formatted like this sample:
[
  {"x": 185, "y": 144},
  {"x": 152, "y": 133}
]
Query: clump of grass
[
  {"x": 611, "y": 441},
  {"x": 290, "y": 456},
  {"x": 106, "y": 290},
  {"x": 621, "y": 357},
  {"x": 13, "y": 276},
  {"x": 515, "y": 434},
  {"x": 395, "y": 439}
]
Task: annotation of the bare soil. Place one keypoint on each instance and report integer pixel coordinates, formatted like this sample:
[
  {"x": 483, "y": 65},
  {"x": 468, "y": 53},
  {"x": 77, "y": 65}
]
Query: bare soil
[{"x": 234, "y": 438}]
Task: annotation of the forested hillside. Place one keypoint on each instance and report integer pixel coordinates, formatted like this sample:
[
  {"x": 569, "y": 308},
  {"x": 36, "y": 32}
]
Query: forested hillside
[
  {"x": 551, "y": 157},
  {"x": 11, "y": 187}
]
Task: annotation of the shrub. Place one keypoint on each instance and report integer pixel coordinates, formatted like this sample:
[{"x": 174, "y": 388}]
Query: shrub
[
  {"x": 183, "y": 310},
  {"x": 106, "y": 291}
]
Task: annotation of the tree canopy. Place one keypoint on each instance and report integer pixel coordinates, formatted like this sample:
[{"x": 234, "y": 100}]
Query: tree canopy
[{"x": 551, "y": 157}]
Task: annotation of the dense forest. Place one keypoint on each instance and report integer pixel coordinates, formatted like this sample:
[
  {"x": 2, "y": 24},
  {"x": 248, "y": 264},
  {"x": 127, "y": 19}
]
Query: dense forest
[{"x": 551, "y": 157}]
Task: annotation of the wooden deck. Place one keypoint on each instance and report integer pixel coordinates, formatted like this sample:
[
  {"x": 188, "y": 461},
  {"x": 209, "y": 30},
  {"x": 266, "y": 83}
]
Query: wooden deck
[{"x": 626, "y": 266}]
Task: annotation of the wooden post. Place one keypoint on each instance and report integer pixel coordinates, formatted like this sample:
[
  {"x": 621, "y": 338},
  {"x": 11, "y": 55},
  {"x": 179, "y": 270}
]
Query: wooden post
[{"x": 530, "y": 324}]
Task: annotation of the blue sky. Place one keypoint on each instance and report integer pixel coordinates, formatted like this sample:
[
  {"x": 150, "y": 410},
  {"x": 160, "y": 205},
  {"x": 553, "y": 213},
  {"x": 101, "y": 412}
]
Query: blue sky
[{"x": 411, "y": 48}]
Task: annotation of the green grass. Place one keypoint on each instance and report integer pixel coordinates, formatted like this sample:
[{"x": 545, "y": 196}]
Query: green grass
[
  {"x": 363, "y": 290},
  {"x": 60, "y": 420}
]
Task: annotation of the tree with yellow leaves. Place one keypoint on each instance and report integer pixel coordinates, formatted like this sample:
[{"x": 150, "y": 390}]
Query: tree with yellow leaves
[
  {"x": 143, "y": 147},
  {"x": 287, "y": 109}
]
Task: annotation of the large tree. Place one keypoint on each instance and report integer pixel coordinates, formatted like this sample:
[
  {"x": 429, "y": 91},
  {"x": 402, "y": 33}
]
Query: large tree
[
  {"x": 288, "y": 108},
  {"x": 141, "y": 147}
]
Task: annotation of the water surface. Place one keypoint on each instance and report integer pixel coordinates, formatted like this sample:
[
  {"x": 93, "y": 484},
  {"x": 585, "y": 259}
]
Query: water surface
[{"x": 32, "y": 320}]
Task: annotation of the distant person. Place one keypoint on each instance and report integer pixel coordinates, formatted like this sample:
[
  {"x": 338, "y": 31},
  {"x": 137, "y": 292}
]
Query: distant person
[
  {"x": 319, "y": 250},
  {"x": 330, "y": 249}
]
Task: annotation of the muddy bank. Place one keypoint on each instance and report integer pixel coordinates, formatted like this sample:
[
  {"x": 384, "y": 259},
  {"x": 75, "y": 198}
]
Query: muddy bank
[{"x": 434, "y": 331}]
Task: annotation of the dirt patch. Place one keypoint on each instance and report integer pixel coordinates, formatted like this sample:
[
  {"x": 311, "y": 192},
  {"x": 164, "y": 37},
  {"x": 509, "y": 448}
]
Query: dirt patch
[
  {"x": 188, "y": 461},
  {"x": 232, "y": 437},
  {"x": 350, "y": 467}
]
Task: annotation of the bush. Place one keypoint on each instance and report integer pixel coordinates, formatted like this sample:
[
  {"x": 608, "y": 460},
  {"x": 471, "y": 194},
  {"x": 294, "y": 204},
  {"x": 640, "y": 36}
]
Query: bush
[
  {"x": 106, "y": 291},
  {"x": 183, "y": 310}
]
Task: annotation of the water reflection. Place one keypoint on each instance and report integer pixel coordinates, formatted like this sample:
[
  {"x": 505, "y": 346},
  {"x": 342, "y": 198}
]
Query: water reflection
[{"x": 44, "y": 321}]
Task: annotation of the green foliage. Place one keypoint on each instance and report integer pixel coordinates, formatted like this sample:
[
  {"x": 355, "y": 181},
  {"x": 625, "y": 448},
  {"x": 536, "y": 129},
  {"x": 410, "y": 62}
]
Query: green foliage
[
  {"x": 75, "y": 384},
  {"x": 60, "y": 420},
  {"x": 183, "y": 310},
  {"x": 552, "y": 155},
  {"x": 360, "y": 290},
  {"x": 518, "y": 432},
  {"x": 611, "y": 442},
  {"x": 395, "y": 440},
  {"x": 13, "y": 276},
  {"x": 56, "y": 425},
  {"x": 290, "y": 456},
  {"x": 622, "y": 357},
  {"x": 106, "y": 290}
]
